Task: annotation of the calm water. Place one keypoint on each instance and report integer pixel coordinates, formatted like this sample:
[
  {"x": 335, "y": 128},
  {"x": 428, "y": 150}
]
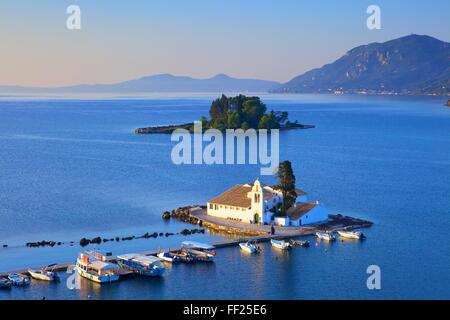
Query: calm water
[{"x": 73, "y": 168}]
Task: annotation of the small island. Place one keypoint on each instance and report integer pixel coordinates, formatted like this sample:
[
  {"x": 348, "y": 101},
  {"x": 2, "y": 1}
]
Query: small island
[
  {"x": 240, "y": 112},
  {"x": 448, "y": 103}
]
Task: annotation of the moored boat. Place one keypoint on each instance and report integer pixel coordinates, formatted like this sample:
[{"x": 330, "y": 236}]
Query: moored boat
[
  {"x": 90, "y": 266},
  {"x": 168, "y": 256},
  {"x": 325, "y": 236},
  {"x": 280, "y": 244},
  {"x": 140, "y": 264},
  {"x": 351, "y": 234},
  {"x": 248, "y": 247},
  {"x": 40, "y": 274},
  {"x": 5, "y": 283},
  {"x": 183, "y": 256},
  {"x": 19, "y": 279},
  {"x": 299, "y": 243},
  {"x": 201, "y": 251}
]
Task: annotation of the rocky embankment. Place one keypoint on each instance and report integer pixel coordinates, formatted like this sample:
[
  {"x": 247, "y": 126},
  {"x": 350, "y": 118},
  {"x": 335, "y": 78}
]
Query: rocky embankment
[
  {"x": 164, "y": 129},
  {"x": 190, "y": 127},
  {"x": 184, "y": 214}
]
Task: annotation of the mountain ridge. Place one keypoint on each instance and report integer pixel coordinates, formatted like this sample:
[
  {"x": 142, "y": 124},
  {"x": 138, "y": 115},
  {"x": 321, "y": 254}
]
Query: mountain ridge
[
  {"x": 164, "y": 82},
  {"x": 413, "y": 64}
]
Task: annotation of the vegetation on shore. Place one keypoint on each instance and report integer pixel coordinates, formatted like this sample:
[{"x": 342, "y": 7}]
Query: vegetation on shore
[{"x": 240, "y": 112}]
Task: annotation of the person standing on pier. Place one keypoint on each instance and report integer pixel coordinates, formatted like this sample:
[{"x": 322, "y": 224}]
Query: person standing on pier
[{"x": 272, "y": 230}]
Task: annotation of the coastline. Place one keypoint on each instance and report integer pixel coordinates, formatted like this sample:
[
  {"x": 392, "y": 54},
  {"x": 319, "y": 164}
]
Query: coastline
[{"x": 168, "y": 129}]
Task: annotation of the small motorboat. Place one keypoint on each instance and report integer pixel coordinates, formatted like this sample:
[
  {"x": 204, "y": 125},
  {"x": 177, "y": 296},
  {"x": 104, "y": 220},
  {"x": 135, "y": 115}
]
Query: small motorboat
[
  {"x": 167, "y": 256},
  {"x": 201, "y": 251},
  {"x": 19, "y": 279},
  {"x": 42, "y": 274},
  {"x": 351, "y": 234},
  {"x": 249, "y": 247},
  {"x": 299, "y": 243},
  {"x": 280, "y": 244},
  {"x": 183, "y": 256},
  {"x": 325, "y": 236},
  {"x": 5, "y": 283}
]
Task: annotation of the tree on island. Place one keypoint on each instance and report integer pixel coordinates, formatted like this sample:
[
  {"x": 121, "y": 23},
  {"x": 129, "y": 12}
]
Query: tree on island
[
  {"x": 286, "y": 179},
  {"x": 243, "y": 112}
]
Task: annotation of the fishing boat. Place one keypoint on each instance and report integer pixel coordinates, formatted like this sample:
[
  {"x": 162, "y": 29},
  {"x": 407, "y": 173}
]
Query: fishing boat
[
  {"x": 168, "y": 256},
  {"x": 46, "y": 274},
  {"x": 298, "y": 243},
  {"x": 325, "y": 236},
  {"x": 201, "y": 251},
  {"x": 91, "y": 265},
  {"x": 280, "y": 244},
  {"x": 5, "y": 283},
  {"x": 248, "y": 247},
  {"x": 140, "y": 264},
  {"x": 19, "y": 279},
  {"x": 351, "y": 234}
]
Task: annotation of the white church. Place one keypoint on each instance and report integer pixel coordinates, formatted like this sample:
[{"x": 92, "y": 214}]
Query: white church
[{"x": 254, "y": 203}]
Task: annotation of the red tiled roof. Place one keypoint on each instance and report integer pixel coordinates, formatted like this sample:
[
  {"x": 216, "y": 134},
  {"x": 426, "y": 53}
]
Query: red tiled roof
[
  {"x": 236, "y": 197},
  {"x": 300, "y": 209}
]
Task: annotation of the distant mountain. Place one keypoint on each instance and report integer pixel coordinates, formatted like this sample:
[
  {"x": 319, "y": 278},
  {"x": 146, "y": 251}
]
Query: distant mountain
[
  {"x": 157, "y": 83},
  {"x": 414, "y": 64}
]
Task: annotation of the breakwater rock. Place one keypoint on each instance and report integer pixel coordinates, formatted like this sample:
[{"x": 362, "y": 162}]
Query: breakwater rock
[
  {"x": 183, "y": 214},
  {"x": 42, "y": 243}
]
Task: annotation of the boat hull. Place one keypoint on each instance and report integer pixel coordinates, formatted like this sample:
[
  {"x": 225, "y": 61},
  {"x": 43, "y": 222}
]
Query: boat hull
[
  {"x": 41, "y": 276},
  {"x": 5, "y": 284},
  {"x": 19, "y": 281},
  {"x": 167, "y": 258},
  {"x": 350, "y": 235},
  {"x": 282, "y": 245},
  {"x": 325, "y": 236},
  {"x": 247, "y": 248}
]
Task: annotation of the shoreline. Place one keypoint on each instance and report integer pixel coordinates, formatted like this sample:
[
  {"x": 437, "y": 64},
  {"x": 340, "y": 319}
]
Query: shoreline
[{"x": 168, "y": 129}]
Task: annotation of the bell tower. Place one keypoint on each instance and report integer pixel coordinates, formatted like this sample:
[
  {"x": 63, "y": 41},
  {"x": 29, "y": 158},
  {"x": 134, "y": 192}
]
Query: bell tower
[{"x": 257, "y": 197}]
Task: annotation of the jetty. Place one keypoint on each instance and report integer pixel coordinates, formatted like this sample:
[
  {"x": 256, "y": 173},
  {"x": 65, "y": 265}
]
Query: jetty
[{"x": 243, "y": 232}]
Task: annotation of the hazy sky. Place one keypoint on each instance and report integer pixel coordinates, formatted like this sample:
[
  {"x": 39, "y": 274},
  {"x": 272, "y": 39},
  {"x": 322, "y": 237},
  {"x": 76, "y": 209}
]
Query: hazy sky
[{"x": 122, "y": 40}]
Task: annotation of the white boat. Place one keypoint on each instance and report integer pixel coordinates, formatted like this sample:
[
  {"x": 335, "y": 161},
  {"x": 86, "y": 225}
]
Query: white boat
[
  {"x": 351, "y": 234},
  {"x": 280, "y": 244},
  {"x": 19, "y": 279},
  {"x": 90, "y": 266},
  {"x": 5, "y": 283},
  {"x": 168, "y": 257},
  {"x": 201, "y": 251},
  {"x": 248, "y": 247},
  {"x": 41, "y": 274},
  {"x": 325, "y": 236},
  {"x": 140, "y": 264}
]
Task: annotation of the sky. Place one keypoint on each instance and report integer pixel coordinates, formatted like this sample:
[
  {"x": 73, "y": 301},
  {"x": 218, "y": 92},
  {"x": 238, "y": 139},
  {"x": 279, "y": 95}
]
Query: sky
[{"x": 122, "y": 40}]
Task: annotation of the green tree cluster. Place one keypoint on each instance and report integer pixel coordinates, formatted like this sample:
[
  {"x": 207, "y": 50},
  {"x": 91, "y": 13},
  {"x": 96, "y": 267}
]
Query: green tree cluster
[{"x": 242, "y": 112}]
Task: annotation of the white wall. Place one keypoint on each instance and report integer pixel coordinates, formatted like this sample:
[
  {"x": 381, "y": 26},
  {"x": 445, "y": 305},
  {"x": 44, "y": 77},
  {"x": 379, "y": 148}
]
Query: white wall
[
  {"x": 282, "y": 221},
  {"x": 227, "y": 213},
  {"x": 316, "y": 214}
]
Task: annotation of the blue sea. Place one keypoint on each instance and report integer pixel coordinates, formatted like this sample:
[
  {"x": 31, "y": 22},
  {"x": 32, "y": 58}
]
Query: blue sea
[{"x": 73, "y": 168}]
